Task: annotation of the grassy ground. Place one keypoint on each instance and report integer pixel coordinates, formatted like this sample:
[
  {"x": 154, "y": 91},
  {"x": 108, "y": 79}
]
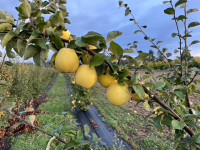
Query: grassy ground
[
  {"x": 58, "y": 115},
  {"x": 137, "y": 131}
]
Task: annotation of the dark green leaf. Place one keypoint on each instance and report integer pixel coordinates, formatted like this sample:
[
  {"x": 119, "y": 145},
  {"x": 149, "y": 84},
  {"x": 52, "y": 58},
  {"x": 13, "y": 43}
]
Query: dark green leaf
[
  {"x": 180, "y": 95},
  {"x": 181, "y": 17},
  {"x": 139, "y": 91},
  {"x": 159, "y": 42},
  {"x": 178, "y": 125},
  {"x": 24, "y": 10},
  {"x": 8, "y": 63},
  {"x": 123, "y": 74},
  {"x": 176, "y": 51},
  {"x": 174, "y": 35},
  {"x": 40, "y": 58},
  {"x": 193, "y": 24},
  {"x": 165, "y": 2},
  {"x": 157, "y": 123},
  {"x": 44, "y": 11},
  {"x": 192, "y": 10},
  {"x": 30, "y": 51},
  {"x": 57, "y": 41},
  {"x": 113, "y": 35},
  {"x": 169, "y": 11},
  {"x": 169, "y": 54},
  {"x": 120, "y": 3},
  {"x": 116, "y": 49},
  {"x": 45, "y": 3},
  {"x": 195, "y": 42},
  {"x": 137, "y": 31},
  {"x": 21, "y": 46},
  {"x": 127, "y": 12},
  {"x": 57, "y": 19},
  {"x": 97, "y": 60},
  {"x": 160, "y": 85},
  {"x": 164, "y": 50},
  {"x": 180, "y": 2}
]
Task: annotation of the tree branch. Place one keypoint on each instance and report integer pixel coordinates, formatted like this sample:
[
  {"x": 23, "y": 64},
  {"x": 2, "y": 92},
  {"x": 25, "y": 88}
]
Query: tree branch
[{"x": 51, "y": 135}]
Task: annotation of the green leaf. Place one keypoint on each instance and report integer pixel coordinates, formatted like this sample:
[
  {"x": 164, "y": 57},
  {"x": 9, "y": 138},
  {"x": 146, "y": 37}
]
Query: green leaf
[
  {"x": 80, "y": 43},
  {"x": 21, "y": 46},
  {"x": 62, "y": 7},
  {"x": 10, "y": 54},
  {"x": 8, "y": 63},
  {"x": 86, "y": 129},
  {"x": 127, "y": 12},
  {"x": 164, "y": 50},
  {"x": 169, "y": 54},
  {"x": 139, "y": 91},
  {"x": 120, "y": 3},
  {"x": 180, "y": 2},
  {"x": 79, "y": 136},
  {"x": 116, "y": 49},
  {"x": 159, "y": 86},
  {"x": 113, "y": 35},
  {"x": 0, "y": 54},
  {"x": 159, "y": 42},
  {"x": 176, "y": 51},
  {"x": 57, "y": 41},
  {"x": 24, "y": 10},
  {"x": 192, "y": 10},
  {"x": 123, "y": 74},
  {"x": 63, "y": 2},
  {"x": 97, "y": 60},
  {"x": 45, "y": 3},
  {"x": 30, "y": 51},
  {"x": 147, "y": 106},
  {"x": 169, "y": 11},
  {"x": 6, "y": 39},
  {"x": 40, "y": 58},
  {"x": 157, "y": 123},
  {"x": 180, "y": 95},
  {"x": 181, "y": 17},
  {"x": 143, "y": 56},
  {"x": 6, "y": 18},
  {"x": 174, "y": 35},
  {"x": 178, "y": 125},
  {"x": 193, "y": 24},
  {"x": 57, "y": 19},
  {"x": 165, "y": 2},
  {"x": 9, "y": 105},
  {"x": 5, "y": 26},
  {"x": 195, "y": 42},
  {"x": 30, "y": 119},
  {"x": 137, "y": 31}
]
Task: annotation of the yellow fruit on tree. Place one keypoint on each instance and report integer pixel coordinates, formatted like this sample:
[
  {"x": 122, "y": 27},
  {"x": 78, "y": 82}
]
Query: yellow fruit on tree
[
  {"x": 67, "y": 61},
  {"x": 91, "y": 47},
  {"x": 118, "y": 95},
  {"x": 106, "y": 80},
  {"x": 137, "y": 98},
  {"x": 86, "y": 76},
  {"x": 53, "y": 60},
  {"x": 66, "y": 35}
]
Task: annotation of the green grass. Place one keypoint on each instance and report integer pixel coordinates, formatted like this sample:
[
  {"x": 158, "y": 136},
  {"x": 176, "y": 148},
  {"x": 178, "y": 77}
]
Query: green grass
[
  {"x": 134, "y": 129},
  {"x": 58, "y": 115}
]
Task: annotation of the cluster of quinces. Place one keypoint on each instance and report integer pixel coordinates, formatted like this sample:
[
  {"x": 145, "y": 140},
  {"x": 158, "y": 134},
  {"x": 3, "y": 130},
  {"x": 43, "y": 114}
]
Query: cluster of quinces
[{"x": 67, "y": 61}]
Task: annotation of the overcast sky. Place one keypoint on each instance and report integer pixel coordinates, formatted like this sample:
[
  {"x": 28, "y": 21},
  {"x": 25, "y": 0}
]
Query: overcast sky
[{"x": 104, "y": 16}]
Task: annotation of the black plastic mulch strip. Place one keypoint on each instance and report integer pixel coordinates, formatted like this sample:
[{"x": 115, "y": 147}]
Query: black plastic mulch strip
[{"x": 94, "y": 121}]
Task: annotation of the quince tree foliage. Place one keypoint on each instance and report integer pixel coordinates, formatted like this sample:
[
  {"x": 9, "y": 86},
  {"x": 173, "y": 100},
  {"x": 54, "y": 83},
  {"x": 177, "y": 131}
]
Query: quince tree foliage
[{"x": 39, "y": 27}]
